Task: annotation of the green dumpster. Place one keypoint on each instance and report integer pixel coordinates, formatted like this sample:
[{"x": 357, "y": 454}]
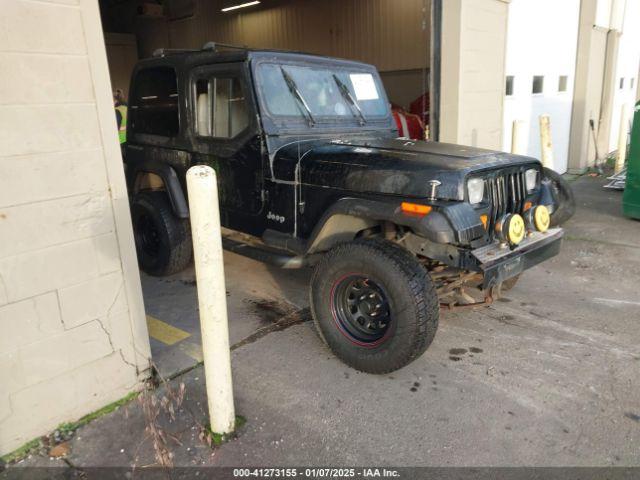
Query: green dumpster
[{"x": 631, "y": 197}]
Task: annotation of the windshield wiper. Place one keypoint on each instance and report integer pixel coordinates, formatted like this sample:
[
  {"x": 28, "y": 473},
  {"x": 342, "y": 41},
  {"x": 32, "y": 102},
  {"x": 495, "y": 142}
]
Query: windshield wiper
[
  {"x": 293, "y": 88},
  {"x": 346, "y": 93}
]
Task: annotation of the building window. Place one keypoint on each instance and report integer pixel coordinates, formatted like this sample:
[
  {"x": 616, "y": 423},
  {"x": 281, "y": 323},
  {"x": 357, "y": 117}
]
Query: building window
[
  {"x": 154, "y": 105},
  {"x": 562, "y": 83},
  {"x": 509, "y": 86},
  {"x": 621, "y": 83},
  {"x": 538, "y": 84},
  {"x": 221, "y": 109},
  {"x": 632, "y": 81}
]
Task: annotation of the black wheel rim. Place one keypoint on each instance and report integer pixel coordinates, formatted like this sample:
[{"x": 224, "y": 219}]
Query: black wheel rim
[
  {"x": 148, "y": 236},
  {"x": 360, "y": 308}
]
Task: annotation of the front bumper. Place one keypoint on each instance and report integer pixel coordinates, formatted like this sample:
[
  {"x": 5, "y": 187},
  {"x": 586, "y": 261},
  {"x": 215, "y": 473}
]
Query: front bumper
[{"x": 499, "y": 264}]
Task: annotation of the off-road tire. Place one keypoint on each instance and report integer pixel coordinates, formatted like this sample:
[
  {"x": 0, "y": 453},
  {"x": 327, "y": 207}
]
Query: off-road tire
[
  {"x": 412, "y": 298},
  {"x": 173, "y": 248},
  {"x": 563, "y": 195}
]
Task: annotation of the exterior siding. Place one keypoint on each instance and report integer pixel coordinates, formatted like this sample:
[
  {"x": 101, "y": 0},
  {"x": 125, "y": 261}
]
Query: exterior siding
[{"x": 551, "y": 53}]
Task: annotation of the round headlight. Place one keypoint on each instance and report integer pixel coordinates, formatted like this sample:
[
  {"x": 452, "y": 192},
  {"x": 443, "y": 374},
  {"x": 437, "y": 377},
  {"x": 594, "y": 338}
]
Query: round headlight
[
  {"x": 531, "y": 179},
  {"x": 475, "y": 187}
]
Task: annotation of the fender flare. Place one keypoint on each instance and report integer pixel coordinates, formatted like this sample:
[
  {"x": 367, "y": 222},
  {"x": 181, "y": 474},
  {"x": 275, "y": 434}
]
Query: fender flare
[
  {"x": 355, "y": 214},
  {"x": 171, "y": 184}
]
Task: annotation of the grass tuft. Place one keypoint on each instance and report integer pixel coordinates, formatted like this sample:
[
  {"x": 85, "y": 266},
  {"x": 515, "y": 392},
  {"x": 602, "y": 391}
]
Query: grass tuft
[
  {"x": 218, "y": 439},
  {"x": 71, "y": 427},
  {"x": 22, "y": 452},
  {"x": 66, "y": 430}
]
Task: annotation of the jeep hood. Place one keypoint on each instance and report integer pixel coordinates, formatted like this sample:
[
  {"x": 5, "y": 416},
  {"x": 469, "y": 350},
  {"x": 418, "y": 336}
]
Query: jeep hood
[{"x": 387, "y": 165}]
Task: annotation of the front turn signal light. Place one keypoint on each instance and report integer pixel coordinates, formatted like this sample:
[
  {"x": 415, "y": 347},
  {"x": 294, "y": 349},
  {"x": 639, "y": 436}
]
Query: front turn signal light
[
  {"x": 415, "y": 208},
  {"x": 484, "y": 218}
]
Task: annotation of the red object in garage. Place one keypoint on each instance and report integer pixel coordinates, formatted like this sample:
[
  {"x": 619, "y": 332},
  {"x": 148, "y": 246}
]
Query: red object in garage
[
  {"x": 409, "y": 125},
  {"x": 420, "y": 107}
]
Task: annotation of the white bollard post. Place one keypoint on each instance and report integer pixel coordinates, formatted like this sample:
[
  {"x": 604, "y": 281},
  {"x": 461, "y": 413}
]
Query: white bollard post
[
  {"x": 212, "y": 298},
  {"x": 622, "y": 140},
  {"x": 546, "y": 146},
  {"x": 516, "y": 137}
]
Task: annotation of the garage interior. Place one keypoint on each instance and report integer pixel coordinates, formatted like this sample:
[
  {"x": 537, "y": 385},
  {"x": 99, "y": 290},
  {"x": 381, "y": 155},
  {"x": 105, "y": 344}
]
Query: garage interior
[{"x": 393, "y": 36}]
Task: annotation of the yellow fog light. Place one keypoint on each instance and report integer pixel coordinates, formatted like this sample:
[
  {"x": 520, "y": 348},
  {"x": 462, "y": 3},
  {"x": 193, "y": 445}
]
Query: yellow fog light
[
  {"x": 541, "y": 218},
  {"x": 511, "y": 228},
  {"x": 516, "y": 229}
]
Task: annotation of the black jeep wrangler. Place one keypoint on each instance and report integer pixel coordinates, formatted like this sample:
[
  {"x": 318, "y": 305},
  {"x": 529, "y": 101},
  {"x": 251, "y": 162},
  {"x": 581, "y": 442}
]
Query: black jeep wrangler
[{"x": 312, "y": 172}]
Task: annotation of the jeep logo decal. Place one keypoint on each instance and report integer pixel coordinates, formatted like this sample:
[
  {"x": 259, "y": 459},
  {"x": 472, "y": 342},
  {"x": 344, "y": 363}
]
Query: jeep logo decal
[{"x": 275, "y": 218}]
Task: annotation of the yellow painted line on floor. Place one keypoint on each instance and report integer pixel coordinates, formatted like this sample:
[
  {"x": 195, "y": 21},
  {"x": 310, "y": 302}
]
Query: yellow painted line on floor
[
  {"x": 193, "y": 350},
  {"x": 165, "y": 333}
]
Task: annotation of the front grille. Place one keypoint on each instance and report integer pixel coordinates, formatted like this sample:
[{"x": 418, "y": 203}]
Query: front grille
[{"x": 506, "y": 192}]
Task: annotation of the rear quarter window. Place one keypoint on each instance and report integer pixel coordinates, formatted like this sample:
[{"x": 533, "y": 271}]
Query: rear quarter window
[{"x": 154, "y": 103}]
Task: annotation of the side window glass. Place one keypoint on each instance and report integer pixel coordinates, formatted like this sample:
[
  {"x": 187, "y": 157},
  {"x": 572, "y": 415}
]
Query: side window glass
[
  {"x": 155, "y": 103},
  {"x": 221, "y": 107}
]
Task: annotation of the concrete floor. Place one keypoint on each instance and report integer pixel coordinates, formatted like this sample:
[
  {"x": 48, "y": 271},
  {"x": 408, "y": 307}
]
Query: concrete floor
[
  {"x": 257, "y": 295},
  {"x": 548, "y": 376}
]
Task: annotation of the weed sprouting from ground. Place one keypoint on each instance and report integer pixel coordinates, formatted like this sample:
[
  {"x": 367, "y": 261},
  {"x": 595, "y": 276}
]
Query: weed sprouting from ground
[
  {"x": 160, "y": 403},
  {"x": 152, "y": 409}
]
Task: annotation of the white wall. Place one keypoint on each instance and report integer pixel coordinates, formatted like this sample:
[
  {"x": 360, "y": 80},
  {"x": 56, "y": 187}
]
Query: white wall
[
  {"x": 541, "y": 40},
  {"x": 73, "y": 335},
  {"x": 627, "y": 68}
]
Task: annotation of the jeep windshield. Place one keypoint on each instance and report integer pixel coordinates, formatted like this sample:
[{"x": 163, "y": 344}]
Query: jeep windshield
[{"x": 321, "y": 95}]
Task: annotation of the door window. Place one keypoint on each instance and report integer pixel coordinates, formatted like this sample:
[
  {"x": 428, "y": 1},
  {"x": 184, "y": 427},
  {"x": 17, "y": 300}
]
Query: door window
[{"x": 221, "y": 107}]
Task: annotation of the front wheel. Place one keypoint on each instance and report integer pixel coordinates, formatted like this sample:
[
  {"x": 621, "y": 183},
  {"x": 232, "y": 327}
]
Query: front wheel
[{"x": 374, "y": 305}]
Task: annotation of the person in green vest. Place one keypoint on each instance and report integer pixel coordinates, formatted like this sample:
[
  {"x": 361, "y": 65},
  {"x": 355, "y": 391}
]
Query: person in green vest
[{"x": 120, "y": 104}]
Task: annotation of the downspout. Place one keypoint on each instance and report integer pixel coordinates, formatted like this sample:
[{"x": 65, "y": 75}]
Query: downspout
[{"x": 605, "y": 94}]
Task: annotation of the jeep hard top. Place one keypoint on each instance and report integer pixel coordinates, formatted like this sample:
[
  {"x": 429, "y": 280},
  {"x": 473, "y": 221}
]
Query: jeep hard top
[{"x": 311, "y": 169}]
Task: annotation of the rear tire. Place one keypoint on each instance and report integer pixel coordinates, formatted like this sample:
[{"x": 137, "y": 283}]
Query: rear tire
[
  {"x": 163, "y": 241},
  {"x": 565, "y": 202},
  {"x": 374, "y": 305}
]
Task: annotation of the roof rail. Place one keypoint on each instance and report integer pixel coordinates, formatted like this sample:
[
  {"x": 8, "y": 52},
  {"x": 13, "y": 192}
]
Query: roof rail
[
  {"x": 213, "y": 46},
  {"x": 209, "y": 46},
  {"x": 162, "y": 52}
]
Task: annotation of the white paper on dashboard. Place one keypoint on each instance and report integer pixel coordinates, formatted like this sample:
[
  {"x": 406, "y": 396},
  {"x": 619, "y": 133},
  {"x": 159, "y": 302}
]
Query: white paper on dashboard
[{"x": 364, "y": 86}]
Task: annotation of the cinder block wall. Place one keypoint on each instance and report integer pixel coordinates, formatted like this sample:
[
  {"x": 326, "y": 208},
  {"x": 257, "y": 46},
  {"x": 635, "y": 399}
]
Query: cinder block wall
[{"x": 72, "y": 330}]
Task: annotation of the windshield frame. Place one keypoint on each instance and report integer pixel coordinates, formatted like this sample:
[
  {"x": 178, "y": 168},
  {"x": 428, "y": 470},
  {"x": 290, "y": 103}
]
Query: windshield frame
[{"x": 298, "y": 124}]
